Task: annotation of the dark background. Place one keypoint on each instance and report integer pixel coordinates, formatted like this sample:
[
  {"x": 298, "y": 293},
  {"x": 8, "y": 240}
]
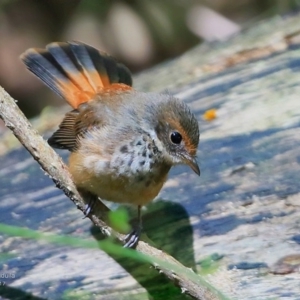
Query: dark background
[{"x": 139, "y": 33}]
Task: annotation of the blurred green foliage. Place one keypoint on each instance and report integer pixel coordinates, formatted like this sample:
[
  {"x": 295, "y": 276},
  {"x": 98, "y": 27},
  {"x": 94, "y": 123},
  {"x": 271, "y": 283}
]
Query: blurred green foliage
[
  {"x": 119, "y": 220},
  {"x": 109, "y": 247}
]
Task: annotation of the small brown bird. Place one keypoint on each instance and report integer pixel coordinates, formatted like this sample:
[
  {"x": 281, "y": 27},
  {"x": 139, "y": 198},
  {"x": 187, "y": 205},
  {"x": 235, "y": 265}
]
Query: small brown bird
[{"x": 122, "y": 142}]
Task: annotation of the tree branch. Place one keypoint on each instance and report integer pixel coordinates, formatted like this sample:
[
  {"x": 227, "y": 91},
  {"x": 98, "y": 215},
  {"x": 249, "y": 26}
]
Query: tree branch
[{"x": 14, "y": 119}]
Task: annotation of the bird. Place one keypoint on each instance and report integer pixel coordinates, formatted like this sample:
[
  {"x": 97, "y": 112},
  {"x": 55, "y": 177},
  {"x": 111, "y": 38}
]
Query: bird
[{"x": 122, "y": 142}]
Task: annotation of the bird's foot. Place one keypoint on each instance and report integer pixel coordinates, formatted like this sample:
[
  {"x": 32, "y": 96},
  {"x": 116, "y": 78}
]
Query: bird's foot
[
  {"x": 89, "y": 207},
  {"x": 132, "y": 238}
]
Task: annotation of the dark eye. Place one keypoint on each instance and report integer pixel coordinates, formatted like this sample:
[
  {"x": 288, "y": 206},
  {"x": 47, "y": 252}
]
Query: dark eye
[{"x": 176, "y": 137}]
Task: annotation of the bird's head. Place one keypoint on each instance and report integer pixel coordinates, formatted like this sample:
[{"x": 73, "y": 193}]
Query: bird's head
[{"x": 178, "y": 130}]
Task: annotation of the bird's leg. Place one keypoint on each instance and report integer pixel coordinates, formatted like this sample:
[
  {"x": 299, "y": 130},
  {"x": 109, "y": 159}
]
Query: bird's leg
[
  {"x": 132, "y": 237},
  {"x": 93, "y": 204},
  {"x": 89, "y": 206}
]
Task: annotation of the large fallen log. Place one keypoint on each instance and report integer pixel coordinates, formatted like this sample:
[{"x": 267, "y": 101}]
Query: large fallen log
[{"x": 244, "y": 208}]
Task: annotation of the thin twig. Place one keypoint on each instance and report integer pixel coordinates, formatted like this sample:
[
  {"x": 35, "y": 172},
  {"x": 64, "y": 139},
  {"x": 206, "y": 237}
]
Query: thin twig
[{"x": 14, "y": 119}]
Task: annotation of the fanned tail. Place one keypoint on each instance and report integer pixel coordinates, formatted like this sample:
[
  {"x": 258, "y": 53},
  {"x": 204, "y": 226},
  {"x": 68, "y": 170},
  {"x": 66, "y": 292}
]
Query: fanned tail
[{"x": 76, "y": 71}]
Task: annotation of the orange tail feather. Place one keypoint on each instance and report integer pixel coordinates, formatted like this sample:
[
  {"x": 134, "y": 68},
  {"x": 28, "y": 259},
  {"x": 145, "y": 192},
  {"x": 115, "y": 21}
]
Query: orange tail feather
[{"x": 75, "y": 71}]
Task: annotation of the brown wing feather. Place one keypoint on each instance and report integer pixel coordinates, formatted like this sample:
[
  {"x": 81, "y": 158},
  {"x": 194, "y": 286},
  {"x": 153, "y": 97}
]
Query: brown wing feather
[
  {"x": 65, "y": 136},
  {"x": 74, "y": 125}
]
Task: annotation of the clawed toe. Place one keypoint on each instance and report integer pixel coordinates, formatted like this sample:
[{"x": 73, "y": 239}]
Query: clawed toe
[
  {"x": 89, "y": 208},
  {"x": 132, "y": 238}
]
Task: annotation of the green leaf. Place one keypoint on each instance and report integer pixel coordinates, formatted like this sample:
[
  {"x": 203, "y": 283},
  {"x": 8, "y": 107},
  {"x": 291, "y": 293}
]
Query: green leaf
[
  {"x": 111, "y": 248},
  {"x": 119, "y": 220}
]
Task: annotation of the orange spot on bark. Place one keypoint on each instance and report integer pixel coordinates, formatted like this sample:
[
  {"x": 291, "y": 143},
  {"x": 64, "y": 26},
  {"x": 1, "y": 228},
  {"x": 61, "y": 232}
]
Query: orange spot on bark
[{"x": 210, "y": 114}]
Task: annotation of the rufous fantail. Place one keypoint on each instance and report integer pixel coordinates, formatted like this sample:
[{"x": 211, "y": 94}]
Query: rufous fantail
[{"x": 122, "y": 142}]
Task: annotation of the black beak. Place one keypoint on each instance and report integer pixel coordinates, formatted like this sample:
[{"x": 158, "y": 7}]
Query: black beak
[{"x": 194, "y": 165}]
